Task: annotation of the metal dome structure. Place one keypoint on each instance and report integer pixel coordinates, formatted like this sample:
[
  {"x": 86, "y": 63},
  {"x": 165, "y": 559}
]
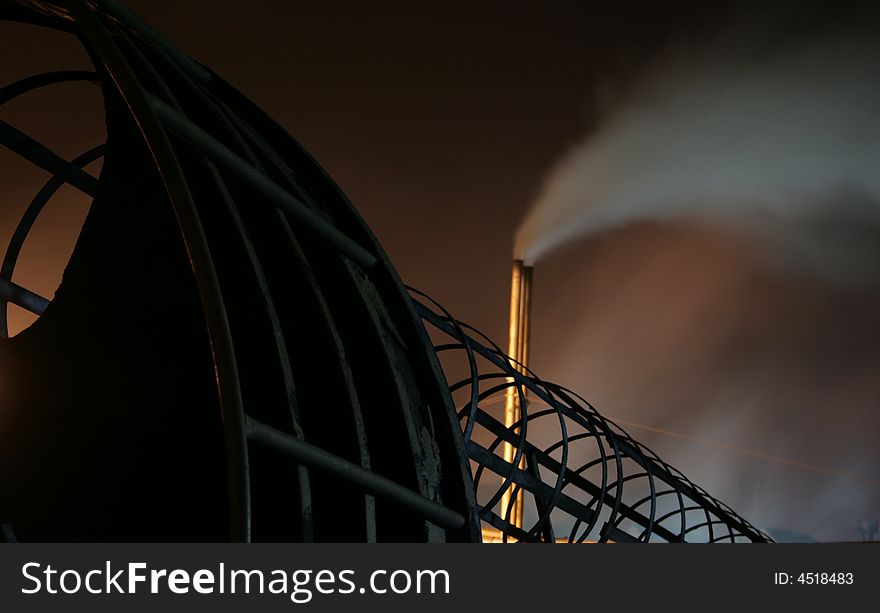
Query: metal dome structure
[
  {"x": 231, "y": 355},
  {"x": 227, "y": 325}
]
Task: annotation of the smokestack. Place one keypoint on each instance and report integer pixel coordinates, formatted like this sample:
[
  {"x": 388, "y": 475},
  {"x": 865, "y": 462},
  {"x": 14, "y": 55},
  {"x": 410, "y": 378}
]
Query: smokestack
[{"x": 518, "y": 349}]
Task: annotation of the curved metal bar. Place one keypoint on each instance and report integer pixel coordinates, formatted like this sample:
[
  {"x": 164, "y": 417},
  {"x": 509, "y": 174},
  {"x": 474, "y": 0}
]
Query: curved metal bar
[
  {"x": 26, "y": 299},
  {"x": 136, "y": 98},
  {"x": 27, "y": 84},
  {"x": 139, "y": 27},
  {"x": 371, "y": 482},
  {"x": 215, "y": 129},
  {"x": 257, "y": 273},
  {"x": 40, "y": 155},
  {"x": 27, "y": 221},
  {"x": 229, "y": 161},
  {"x": 33, "y": 15},
  {"x": 472, "y": 364},
  {"x": 633, "y": 479},
  {"x": 377, "y": 352}
]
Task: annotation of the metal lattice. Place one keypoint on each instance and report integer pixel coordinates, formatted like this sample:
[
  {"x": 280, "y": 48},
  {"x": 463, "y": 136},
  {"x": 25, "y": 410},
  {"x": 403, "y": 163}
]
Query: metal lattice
[
  {"x": 587, "y": 478},
  {"x": 225, "y": 314},
  {"x": 301, "y": 385}
]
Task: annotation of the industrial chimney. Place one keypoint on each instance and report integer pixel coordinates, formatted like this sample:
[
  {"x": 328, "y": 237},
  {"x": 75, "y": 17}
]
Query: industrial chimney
[{"x": 518, "y": 350}]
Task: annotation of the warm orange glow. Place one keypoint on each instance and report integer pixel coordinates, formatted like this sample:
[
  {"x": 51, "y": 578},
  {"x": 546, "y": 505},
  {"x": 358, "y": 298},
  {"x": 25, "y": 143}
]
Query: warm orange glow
[
  {"x": 491, "y": 535},
  {"x": 518, "y": 349}
]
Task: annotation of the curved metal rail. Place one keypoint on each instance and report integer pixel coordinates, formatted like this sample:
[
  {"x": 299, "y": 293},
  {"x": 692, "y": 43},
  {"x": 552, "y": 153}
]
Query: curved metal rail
[
  {"x": 587, "y": 478},
  {"x": 356, "y": 394}
]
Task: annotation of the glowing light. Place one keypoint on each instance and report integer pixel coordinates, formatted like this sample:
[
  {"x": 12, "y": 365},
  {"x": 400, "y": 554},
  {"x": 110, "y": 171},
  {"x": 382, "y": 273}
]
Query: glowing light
[{"x": 518, "y": 349}]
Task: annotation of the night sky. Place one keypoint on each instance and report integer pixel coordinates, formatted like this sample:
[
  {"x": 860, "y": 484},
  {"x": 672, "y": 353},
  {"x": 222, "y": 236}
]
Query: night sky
[
  {"x": 438, "y": 120},
  {"x": 441, "y": 121}
]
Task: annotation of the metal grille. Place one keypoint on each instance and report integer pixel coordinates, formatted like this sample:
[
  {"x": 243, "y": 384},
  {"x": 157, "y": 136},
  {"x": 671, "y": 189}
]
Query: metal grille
[
  {"x": 586, "y": 478},
  {"x": 334, "y": 417},
  {"x": 333, "y": 413}
]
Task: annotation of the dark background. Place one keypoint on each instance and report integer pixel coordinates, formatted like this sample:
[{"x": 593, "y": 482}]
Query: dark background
[{"x": 440, "y": 121}]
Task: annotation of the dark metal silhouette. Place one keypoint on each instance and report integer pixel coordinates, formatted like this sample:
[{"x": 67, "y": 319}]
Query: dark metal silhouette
[
  {"x": 587, "y": 478},
  {"x": 231, "y": 355}
]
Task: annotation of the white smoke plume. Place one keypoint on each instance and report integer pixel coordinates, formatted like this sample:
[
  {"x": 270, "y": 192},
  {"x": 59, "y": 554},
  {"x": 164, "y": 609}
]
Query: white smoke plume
[
  {"x": 763, "y": 137},
  {"x": 739, "y": 133}
]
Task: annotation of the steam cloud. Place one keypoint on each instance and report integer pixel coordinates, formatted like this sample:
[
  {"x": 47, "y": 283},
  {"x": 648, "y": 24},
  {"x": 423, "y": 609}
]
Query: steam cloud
[
  {"x": 739, "y": 135},
  {"x": 682, "y": 329}
]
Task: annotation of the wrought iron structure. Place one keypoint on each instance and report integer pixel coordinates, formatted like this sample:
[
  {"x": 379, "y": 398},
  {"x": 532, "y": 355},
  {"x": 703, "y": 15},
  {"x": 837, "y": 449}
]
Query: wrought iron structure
[
  {"x": 231, "y": 355},
  {"x": 587, "y": 478}
]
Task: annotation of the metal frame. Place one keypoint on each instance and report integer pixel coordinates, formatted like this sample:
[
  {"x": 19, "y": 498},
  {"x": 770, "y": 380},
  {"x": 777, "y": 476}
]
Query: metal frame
[
  {"x": 328, "y": 383},
  {"x": 223, "y": 160},
  {"x": 589, "y": 480}
]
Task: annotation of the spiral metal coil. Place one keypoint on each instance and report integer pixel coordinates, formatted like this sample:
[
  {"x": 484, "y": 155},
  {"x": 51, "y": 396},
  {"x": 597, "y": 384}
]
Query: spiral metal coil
[{"x": 588, "y": 480}]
